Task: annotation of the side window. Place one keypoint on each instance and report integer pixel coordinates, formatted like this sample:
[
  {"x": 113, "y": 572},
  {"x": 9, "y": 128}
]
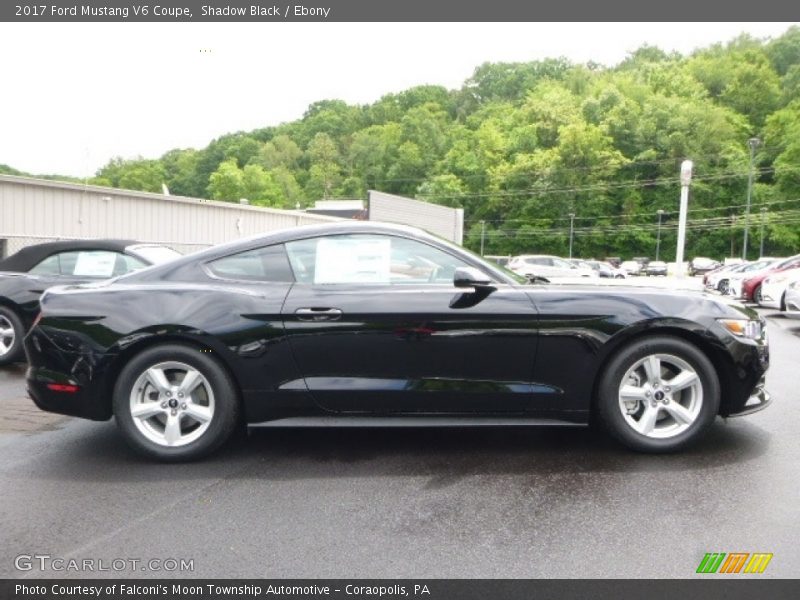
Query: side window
[
  {"x": 370, "y": 259},
  {"x": 127, "y": 263},
  {"x": 49, "y": 266},
  {"x": 263, "y": 264},
  {"x": 100, "y": 264},
  {"x": 540, "y": 260},
  {"x": 89, "y": 263},
  {"x": 562, "y": 264}
]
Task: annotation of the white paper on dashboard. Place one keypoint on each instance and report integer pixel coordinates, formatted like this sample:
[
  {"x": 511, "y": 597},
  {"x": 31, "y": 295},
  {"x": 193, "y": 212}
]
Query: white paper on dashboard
[
  {"x": 95, "y": 264},
  {"x": 343, "y": 260}
]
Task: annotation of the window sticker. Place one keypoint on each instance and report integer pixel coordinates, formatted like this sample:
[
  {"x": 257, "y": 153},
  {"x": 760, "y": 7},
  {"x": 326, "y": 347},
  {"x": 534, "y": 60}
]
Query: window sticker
[
  {"x": 348, "y": 260},
  {"x": 95, "y": 264}
]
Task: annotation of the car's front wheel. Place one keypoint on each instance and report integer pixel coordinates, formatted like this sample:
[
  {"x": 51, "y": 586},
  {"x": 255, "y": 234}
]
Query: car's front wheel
[
  {"x": 175, "y": 402},
  {"x": 11, "y": 333},
  {"x": 658, "y": 394},
  {"x": 757, "y": 297}
]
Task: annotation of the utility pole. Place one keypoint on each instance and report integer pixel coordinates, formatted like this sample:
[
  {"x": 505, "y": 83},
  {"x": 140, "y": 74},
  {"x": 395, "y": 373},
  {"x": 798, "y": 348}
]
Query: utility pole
[
  {"x": 686, "y": 180},
  {"x": 660, "y": 212},
  {"x": 754, "y": 143},
  {"x": 571, "y": 231},
  {"x": 483, "y": 235},
  {"x": 763, "y": 216}
]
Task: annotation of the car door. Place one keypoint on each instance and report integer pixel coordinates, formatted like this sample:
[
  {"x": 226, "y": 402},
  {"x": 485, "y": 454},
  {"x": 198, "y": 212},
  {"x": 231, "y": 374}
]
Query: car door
[{"x": 377, "y": 326}]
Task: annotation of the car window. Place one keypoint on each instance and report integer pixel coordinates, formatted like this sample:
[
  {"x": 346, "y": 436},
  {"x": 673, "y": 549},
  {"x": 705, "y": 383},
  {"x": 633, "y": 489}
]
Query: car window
[
  {"x": 562, "y": 264},
  {"x": 100, "y": 264},
  {"x": 539, "y": 260},
  {"x": 362, "y": 258},
  {"x": 263, "y": 264},
  {"x": 49, "y": 266}
]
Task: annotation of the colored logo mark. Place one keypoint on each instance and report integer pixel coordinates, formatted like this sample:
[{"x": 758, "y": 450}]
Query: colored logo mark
[{"x": 734, "y": 562}]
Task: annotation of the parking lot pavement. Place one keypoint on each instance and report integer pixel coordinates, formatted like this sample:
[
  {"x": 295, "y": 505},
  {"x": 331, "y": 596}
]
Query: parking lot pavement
[{"x": 413, "y": 503}]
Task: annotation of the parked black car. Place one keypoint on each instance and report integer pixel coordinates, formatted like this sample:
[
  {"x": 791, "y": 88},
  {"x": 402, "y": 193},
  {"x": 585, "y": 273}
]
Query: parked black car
[
  {"x": 24, "y": 276},
  {"x": 368, "y": 324}
]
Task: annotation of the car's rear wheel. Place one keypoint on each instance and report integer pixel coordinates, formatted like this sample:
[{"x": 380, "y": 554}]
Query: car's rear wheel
[
  {"x": 658, "y": 394},
  {"x": 11, "y": 333},
  {"x": 175, "y": 402}
]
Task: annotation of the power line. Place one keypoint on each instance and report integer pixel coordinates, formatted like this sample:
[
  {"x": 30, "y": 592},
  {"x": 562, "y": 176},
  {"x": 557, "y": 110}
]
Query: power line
[{"x": 649, "y": 214}]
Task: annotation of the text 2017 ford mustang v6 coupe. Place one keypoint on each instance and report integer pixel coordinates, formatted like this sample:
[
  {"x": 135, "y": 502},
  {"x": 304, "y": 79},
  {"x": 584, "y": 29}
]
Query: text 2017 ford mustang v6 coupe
[{"x": 362, "y": 323}]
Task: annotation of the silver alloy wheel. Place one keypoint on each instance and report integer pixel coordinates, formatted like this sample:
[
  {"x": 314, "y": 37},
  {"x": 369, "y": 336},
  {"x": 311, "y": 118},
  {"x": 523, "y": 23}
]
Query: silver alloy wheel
[
  {"x": 661, "y": 396},
  {"x": 172, "y": 404},
  {"x": 7, "y": 336}
]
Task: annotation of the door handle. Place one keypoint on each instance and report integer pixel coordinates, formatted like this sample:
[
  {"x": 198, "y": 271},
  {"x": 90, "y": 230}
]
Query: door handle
[{"x": 318, "y": 314}]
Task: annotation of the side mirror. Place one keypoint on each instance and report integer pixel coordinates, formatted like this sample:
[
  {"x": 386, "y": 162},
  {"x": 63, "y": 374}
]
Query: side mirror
[{"x": 465, "y": 277}]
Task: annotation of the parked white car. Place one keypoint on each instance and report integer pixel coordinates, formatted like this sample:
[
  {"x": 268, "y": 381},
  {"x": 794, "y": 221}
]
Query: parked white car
[
  {"x": 792, "y": 300},
  {"x": 543, "y": 266},
  {"x": 774, "y": 287},
  {"x": 631, "y": 267}
]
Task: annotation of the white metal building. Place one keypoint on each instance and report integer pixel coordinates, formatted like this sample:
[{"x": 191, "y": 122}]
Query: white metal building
[
  {"x": 39, "y": 210},
  {"x": 441, "y": 220}
]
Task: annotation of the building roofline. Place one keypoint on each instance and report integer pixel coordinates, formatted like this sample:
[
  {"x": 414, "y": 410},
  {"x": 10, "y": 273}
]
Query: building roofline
[{"x": 111, "y": 191}]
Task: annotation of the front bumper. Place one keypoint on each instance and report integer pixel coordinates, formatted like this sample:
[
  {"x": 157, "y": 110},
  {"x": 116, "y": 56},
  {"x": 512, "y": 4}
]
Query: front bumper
[{"x": 759, "y": 400}]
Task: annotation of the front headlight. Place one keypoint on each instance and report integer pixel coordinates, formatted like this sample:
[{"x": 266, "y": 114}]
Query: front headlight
[{"x": 745, "y": 328}]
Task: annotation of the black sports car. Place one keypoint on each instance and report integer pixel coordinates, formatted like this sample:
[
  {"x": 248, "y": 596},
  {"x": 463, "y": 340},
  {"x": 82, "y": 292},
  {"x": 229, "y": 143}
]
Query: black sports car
[
  {"x": 369, "y": 324},
  {"x": 24, "y": 276}
]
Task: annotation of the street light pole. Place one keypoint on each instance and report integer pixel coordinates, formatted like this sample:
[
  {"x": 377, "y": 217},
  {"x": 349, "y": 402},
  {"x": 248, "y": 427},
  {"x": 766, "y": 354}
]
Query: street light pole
[
  {"x": 763, "y": 216},
  {"x": 660, "y": 212},
  {"x": 686, "y": 179},
  {"x": 571, "y": 231},
  {"x": 483, "y": 234},
  {"x": 753, "y": 142}
]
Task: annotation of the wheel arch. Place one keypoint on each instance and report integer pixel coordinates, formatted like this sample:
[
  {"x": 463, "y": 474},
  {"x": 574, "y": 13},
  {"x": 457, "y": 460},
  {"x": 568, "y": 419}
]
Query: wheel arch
[
  {"x": 723, "y": 365},
  {"x": 128, "y": 352}
]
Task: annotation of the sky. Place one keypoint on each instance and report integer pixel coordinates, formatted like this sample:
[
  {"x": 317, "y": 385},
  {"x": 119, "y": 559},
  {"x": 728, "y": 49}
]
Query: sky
[{"x": 76, "y": 95}]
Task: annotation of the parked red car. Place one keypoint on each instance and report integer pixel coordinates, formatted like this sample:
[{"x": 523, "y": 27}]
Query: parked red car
[{"x": 751, "y": 287}]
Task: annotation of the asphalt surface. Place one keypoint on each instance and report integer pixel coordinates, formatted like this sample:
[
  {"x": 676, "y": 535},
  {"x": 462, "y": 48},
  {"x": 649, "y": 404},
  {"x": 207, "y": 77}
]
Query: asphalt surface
[{"x": 421, "y": 503}]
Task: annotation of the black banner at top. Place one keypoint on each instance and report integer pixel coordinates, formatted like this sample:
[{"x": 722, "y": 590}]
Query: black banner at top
[{"x": 393, "y": 10}]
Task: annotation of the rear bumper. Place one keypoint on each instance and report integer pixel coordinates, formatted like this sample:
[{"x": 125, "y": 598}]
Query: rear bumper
[
  {"x": 63, "y": 382},
  {"x": 771, "y": 296}
]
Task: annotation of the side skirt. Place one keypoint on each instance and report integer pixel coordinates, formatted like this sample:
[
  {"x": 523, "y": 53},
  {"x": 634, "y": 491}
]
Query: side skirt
[{"x": 421, "y": 421}]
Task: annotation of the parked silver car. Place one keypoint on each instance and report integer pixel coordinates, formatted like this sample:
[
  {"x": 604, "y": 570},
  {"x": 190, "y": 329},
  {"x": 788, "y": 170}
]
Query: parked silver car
[{"x": 547, "y": 267}]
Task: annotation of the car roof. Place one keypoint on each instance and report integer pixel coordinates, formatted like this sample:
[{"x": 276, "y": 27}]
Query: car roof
[
  {"x": 299, "y": 233},
  {"x": 30, "y": 256}
]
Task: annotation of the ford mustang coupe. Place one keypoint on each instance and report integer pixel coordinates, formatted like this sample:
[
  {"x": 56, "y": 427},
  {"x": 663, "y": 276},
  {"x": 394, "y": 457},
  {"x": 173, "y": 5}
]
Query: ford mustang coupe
[{"x": 370, "y": 324}]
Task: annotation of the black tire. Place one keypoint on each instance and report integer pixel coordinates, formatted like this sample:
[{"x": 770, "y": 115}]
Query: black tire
[
  {"x": 608, "y": 408},
  {"x": 783, "y": 302},
  {"x": 722, "y": 286},
  {"x": 757, "y": 295},
  {"x": 15, "y": 352},
  {"x": 226, "y": 403}
]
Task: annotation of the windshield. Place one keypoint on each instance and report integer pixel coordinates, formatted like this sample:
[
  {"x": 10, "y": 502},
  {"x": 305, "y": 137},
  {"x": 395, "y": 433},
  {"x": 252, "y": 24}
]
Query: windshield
[{"x": 154, "y": 255}]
